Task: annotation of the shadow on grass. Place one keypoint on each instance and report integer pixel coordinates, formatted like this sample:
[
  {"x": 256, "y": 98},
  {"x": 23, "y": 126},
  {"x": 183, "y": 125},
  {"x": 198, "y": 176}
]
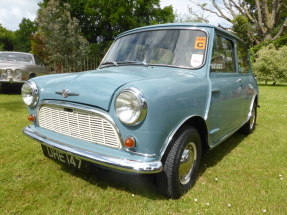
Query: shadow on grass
[
  {"x": 144, "y": 184},
  {"x": 271, "y": 85},
  {"x": 137, "y": 184},
  {"x": 217, "y": 154},
  {"x": 11, "y": 90}
]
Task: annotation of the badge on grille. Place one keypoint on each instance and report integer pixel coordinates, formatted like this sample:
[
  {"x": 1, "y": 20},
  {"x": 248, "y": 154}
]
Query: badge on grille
[{"x": 65, "y": 93}]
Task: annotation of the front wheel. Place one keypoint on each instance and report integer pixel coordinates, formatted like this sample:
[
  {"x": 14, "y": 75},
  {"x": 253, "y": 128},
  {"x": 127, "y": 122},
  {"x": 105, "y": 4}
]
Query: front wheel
[
  {"x": 32, "y": 75},
  {"x": 180, "y": 164}
]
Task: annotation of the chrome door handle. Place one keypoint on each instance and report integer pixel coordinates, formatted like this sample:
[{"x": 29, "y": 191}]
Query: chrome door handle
[{"x": 239, "y": 80}]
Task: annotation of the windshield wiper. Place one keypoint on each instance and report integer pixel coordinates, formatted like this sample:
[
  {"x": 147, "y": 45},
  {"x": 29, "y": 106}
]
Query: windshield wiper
[
  {"x": 135, "y": 62},
  {"x": 110, "y": 62}
]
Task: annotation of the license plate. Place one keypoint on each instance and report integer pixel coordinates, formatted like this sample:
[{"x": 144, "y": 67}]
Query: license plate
[{"x": 65, "y": 158}]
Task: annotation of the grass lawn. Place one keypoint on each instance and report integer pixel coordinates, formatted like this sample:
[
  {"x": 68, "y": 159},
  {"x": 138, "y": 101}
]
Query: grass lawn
[{"x": 243, "y": 175}]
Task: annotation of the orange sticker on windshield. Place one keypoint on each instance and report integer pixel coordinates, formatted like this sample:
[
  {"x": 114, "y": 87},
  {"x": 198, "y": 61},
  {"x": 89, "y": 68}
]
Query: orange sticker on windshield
[{"x": 200, "y": 42}]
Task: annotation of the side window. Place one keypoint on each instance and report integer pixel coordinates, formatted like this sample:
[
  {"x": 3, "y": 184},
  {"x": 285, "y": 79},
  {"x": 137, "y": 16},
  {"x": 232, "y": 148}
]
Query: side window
[
  {"x": 243, "y": 62},
  {"x": 222, "y": 55},
  {"x": 38, "y": 61}
]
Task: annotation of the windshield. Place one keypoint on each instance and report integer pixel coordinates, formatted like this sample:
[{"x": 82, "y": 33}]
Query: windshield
[
  {"x": 183, "y": 48},
  {"x": 16, "y": 57}
]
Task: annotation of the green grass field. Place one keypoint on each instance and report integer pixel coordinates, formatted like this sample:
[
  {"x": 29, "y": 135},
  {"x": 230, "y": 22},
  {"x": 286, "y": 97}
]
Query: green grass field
[{"x": 244, "y": 175}]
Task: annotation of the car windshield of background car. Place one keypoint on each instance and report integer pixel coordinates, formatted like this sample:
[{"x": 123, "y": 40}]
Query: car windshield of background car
[
  {"x": 182, "y": 48},
  {"x": 16, "y": 57}
]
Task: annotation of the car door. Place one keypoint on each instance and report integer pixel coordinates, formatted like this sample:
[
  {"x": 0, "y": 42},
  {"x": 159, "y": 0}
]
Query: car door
[
  {"x": 37, "y": 67},
  {"x": 227, "y": 92},
  {"x": 247, "y": 78}
]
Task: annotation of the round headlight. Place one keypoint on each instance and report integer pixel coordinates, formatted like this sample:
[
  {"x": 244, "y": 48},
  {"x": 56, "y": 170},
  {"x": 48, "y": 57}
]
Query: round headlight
[
  {"x": 3, "y": 74},
  {"x": 131, "y": 106},
  {"x": 18, "y": 74},
  {"x": 9, "y": 73},
  {"x": 30, "y": 93}
]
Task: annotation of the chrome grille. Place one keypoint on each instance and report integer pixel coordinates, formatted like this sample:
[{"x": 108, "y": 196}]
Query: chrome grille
[{"x": 86, "y": 126}]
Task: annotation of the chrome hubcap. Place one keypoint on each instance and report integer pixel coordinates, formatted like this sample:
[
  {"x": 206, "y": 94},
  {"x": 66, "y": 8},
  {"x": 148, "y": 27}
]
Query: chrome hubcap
[
  {"x": 252, "y": 118},
  {"x": 187, "y": 162}
]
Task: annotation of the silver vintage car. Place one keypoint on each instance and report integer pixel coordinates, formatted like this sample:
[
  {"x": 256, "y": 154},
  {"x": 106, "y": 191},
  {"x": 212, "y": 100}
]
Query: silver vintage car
[{"x": 18, "y": 67}]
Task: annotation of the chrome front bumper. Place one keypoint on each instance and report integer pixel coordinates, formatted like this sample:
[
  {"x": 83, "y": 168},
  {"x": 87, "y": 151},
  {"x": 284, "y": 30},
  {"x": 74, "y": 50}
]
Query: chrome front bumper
[
  {"x": 11, "y": 81},
  {"x": 115, "y": 163}
]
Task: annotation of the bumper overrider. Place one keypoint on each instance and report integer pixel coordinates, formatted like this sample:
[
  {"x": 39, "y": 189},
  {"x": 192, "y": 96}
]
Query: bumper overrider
[{"x": 115, "y": 163}]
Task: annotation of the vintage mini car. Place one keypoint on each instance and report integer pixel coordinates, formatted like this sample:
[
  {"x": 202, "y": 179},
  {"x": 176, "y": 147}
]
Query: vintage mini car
[
  {"x": 18, "y": 67},
  {"x": 162, "y": 96}
]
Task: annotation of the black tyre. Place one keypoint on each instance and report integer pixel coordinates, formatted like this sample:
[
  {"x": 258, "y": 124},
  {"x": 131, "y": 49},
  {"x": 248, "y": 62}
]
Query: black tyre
[
  {"x": 180, "y": 164},
  {"x": 32, "y": 75},
  {"x": 249, "y": 127}
]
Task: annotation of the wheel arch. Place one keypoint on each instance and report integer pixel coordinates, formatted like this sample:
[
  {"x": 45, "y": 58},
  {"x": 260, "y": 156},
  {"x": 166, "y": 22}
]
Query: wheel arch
[
  {"x": 256, "y": 100},
  {"x": 31, "y": 75},
  {"x": 198, "y": 123}
]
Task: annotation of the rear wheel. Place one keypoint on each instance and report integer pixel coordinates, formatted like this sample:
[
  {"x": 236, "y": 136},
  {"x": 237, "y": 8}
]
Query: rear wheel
[
  {"x": 249, "y": 127},
  {"x": 180, "y": 164}
]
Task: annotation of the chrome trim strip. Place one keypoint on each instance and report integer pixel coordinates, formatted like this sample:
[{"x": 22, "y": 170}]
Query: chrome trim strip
[
  {"x": 115, "y": 163},
  {"x": 213, "y": 131},
  {"x": 137, "y": 153},
  {"x": 82, "y": 108}
]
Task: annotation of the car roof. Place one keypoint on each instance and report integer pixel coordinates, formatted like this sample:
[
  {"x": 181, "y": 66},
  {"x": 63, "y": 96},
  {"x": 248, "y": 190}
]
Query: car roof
[
  {"x": 177, "y": 25},
  {"x": 16, "y": 52}
]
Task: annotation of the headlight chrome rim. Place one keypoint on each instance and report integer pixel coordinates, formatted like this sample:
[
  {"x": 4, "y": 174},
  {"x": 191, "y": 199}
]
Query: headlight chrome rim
[
  {"x": 30, "y": 98},
  {"x": 3, "y": 73},
  {"x": 18, "y": 74},
  {"x": 9, "y": 73},
  {"x": 142, "y": 106}
]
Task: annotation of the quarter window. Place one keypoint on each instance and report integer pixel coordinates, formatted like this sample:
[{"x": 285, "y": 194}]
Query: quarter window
[
  {"x": 38, "y": 61},
  {"x": 222, "y": 55},
  {"x": 243, "y": 62}
]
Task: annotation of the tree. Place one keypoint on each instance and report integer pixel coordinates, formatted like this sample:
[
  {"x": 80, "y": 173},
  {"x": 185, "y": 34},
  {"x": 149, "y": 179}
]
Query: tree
[
  {"x": 270, "y": 64},
  {"x": 22, "y": 41},
  {"x": 193, "y": 17},
  {"x": 38, "y": 47},
  {"x": 258, "y": 20},
  {"x": 6, "y": 39},
  {"x": 59, "y": 36},
  {"x": 116, "y": 16},
  {"x": 102, "y": 20}
]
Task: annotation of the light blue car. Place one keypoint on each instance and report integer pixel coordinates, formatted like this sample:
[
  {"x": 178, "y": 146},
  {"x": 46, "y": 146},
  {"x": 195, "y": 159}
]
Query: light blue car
[{"x": 162, "y": 96}]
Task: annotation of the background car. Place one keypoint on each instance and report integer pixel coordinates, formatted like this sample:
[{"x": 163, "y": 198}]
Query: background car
[
  {"x": 18, "y": 67},
  {"x": 162, "y": 96}
]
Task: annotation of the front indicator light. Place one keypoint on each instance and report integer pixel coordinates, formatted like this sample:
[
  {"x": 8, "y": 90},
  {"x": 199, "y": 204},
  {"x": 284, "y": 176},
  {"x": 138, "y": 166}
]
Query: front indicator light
[
  {"x": 130, "y": 142},
  {"x": 32, "y": 118}
]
